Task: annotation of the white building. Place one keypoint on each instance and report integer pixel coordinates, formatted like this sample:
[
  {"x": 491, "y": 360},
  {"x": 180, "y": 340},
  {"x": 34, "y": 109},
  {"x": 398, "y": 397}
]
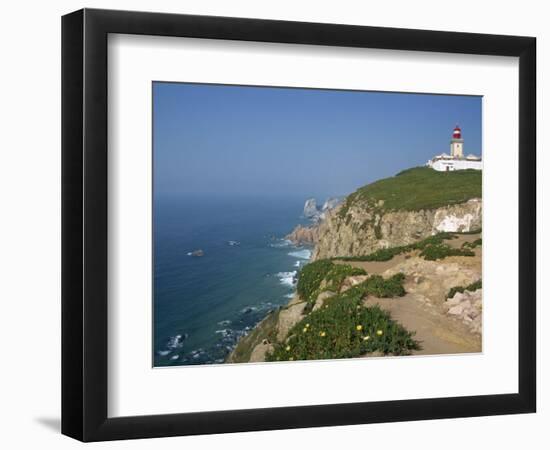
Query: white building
[{"x": 456, "y": 160}]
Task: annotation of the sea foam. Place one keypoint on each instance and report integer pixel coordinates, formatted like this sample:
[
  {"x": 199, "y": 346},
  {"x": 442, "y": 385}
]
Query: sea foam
[
  {"x": 302, "y": 254},
  {"x": 281, "y": 243},
  {"x": 287, "y": 278}
]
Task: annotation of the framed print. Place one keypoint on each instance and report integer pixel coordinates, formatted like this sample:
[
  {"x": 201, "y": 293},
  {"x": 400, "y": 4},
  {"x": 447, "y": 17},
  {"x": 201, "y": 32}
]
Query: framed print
[{"x": 273, "y": 224}]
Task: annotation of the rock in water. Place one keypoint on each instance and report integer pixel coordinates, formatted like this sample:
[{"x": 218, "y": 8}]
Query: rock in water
[
  {"x": 198, "y": 252},
  {"x": 310, "y": 208}
]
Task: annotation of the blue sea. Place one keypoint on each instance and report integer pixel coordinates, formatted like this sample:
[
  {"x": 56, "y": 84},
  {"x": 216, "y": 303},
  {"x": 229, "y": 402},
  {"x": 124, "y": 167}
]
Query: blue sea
[{"x": 204, "y": 304}]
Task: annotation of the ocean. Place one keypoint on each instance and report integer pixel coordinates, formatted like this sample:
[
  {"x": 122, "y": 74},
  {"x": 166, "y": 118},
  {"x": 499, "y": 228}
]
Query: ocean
[{"x": 204, "y": 304}]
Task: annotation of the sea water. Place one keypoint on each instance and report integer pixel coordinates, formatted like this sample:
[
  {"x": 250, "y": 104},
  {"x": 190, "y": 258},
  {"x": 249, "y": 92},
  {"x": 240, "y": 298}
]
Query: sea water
[{"x": 203, "y": 304}]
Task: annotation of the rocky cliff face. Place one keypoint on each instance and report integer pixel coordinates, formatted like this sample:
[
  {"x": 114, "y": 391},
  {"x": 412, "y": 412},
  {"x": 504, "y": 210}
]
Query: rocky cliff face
[
  {"x": 304, "y": 235},
  {"x": 362, "y": 229}
]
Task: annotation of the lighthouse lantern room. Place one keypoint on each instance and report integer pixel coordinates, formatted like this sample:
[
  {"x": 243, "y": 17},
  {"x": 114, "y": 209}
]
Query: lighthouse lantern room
[{"x": 456, "y": 143}]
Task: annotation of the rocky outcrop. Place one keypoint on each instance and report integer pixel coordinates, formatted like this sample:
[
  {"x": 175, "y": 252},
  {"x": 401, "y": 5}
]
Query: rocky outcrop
[
  {"x": 362, "y": 229},
  {"x": 310, "y": 208},
  {"x": 316, "y": 214},
  {"x": 304, "y": 235},
  {"x": 467, "y": 307}
]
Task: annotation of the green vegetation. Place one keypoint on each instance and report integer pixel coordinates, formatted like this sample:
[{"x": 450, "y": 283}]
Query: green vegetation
[
  {"x": 417, "y": 188},
  {"x": 312, "y": 275},
  {"x": 383, "y": 288},
  {"x": 440, "y": 251},
  {"x": 310, "y": 278},
  {"x": 344, "y": 328},
  {"x": 473, "y": 244},
  {"x": 338, "y": 273},
  {"x": 431, "y": 248},
  {"x": 471, "y": 287}
]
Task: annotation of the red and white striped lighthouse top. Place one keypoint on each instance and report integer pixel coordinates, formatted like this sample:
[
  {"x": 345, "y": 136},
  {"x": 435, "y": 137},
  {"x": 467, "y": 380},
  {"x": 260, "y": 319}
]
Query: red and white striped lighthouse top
[{"x": 457, "y": 133}]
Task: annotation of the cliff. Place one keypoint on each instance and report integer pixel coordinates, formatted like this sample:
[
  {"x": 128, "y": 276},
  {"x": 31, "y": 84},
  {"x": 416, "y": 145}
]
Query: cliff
[
  {"x": 400, "y": 210},
  {"x": 364, "y": 229}
]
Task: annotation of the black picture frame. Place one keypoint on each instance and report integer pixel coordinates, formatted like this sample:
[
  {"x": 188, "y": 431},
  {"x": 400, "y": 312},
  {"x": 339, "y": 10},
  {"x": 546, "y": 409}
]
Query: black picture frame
[{"x": 84, "y": 224}]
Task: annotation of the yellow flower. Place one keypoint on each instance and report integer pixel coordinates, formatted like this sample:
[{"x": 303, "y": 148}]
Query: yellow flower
[
  {"x": 304, "y": 330},
  {"x": 322, "y": 334},
  {"x": 359, "y": 327},
  {"x": 287, "y": 348},
  {"x": 307, "y": 325},
  {"x": 366, "y": 338},
  {"x": 379, "y": 332}
]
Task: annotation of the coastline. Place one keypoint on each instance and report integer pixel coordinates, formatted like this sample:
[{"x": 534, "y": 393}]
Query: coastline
[{"x": 443, "y": 325}]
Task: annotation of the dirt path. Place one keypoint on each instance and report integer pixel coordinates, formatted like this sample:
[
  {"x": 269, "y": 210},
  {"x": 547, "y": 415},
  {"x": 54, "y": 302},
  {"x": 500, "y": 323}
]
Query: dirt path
[
  {"x": 423, "y": 309},
  {"x": 437, "y": 334}
]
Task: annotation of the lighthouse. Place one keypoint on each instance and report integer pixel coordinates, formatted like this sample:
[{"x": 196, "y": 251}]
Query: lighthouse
[
  {"x": 456, "y": 143},
  {"x": 455, "y": 160}
]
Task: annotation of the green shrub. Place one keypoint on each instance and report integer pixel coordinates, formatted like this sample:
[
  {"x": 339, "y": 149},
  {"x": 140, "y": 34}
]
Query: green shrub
[
  {"x": 440, "y": 251},
  {"x": 390, "y": 287},
  {"x": 473, "y": 244},
  {"x": 471, "y": 287},
  {"x": 385, "y": 254},
  {"x": 312, "y": 275},
  {"x": 338, "y": 273},
  {"x": 310, "y": 278},
  {"x": 344, "y": 328}
]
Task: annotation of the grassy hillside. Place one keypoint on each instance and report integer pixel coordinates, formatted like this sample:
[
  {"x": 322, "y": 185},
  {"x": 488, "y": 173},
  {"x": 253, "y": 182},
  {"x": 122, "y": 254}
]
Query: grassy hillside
[{"x": 419, "y": 188}]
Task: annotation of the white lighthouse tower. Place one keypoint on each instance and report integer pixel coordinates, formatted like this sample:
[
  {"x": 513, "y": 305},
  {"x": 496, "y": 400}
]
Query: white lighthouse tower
[
  {"x": 456, "y": 160},
  {"x": 457, "y": 143}
]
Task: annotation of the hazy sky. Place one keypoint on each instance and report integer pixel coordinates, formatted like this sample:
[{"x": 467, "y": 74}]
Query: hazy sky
[{"x": 212, "y": 139}]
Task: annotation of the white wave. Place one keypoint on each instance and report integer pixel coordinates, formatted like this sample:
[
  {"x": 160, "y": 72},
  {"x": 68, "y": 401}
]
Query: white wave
[
  {"x": 190, "y": 254},
  {"x": 224, "y": 323},
  {"x": 175, "y": 342},
  {"x": 163, "y": 352},
  {"x": 287, "y": 278},
  {"x": 248, "y": 309},
  {"x": 302, "y": 254},
  {"x": 225, "y": 331},
  {"x": 290, "y": 295},
  {"x": 281, "y": 243},
  {"x": 175, "y": 357}
]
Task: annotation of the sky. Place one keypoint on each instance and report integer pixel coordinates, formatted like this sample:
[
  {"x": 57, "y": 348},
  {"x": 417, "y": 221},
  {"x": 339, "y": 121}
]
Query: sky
[{"x": 243, "y": 140}]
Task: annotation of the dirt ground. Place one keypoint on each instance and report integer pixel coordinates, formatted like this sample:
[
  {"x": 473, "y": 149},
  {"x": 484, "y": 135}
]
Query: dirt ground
[
  {"x": 423, "y": 309},
  {"x": 436, "y": 332}
]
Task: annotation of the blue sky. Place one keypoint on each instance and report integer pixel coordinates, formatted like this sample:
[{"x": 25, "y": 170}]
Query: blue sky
[{"x": 236, "y": 140}]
